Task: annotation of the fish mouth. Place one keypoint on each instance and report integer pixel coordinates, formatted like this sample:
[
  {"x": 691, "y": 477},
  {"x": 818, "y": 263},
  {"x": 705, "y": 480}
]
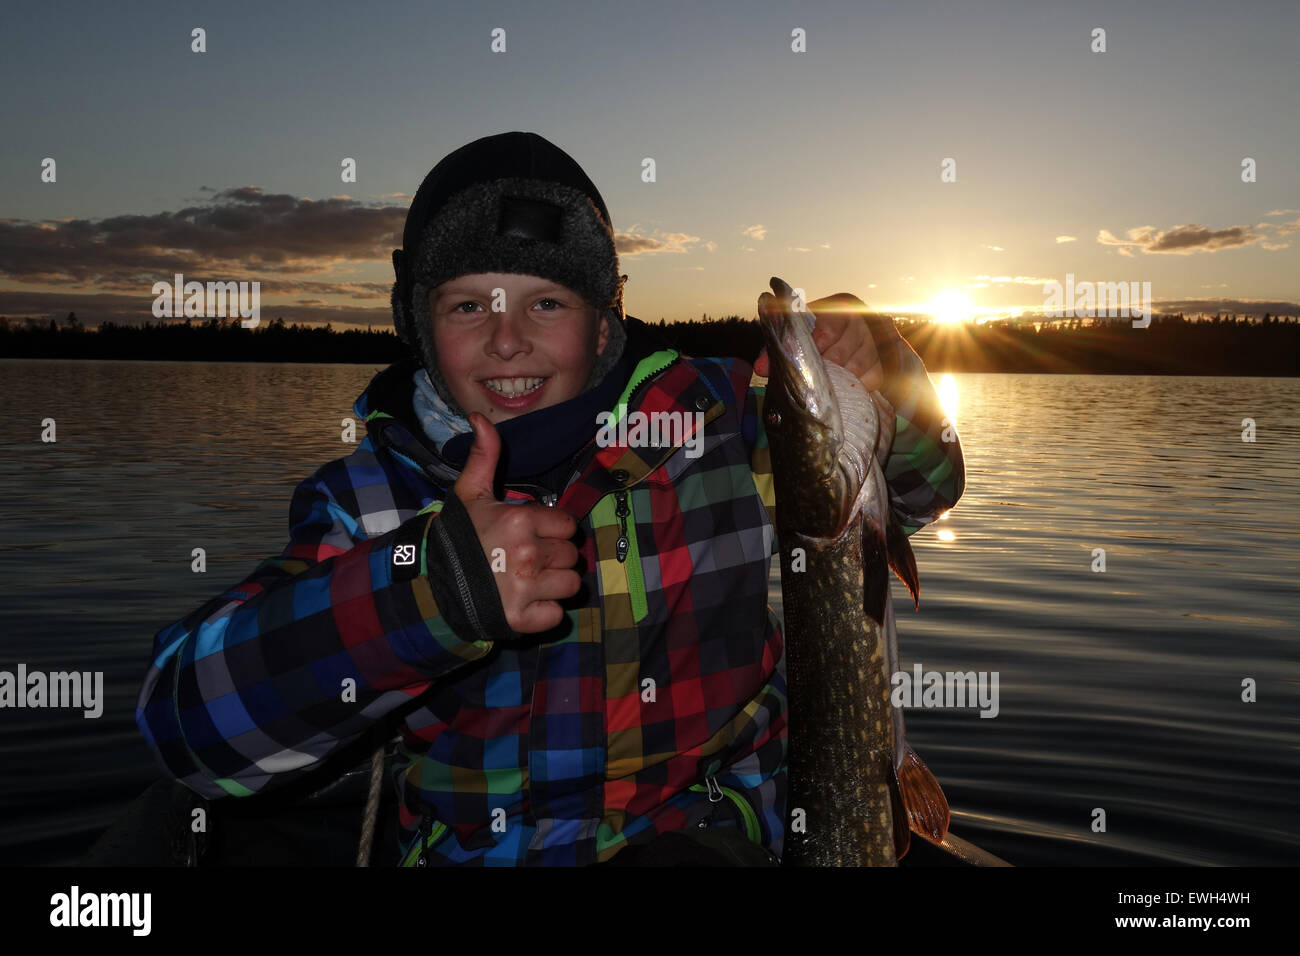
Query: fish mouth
[
  {"x": 835, "y": 423},
  {"x": 794, "y": 360}
]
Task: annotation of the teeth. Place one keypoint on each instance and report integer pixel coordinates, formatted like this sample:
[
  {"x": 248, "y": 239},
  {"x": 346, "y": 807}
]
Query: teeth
[{"x": 513, "y": 387}]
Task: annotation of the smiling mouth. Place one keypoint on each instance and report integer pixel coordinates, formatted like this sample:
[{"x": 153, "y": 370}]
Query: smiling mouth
[{"x": 513, "y": 387}]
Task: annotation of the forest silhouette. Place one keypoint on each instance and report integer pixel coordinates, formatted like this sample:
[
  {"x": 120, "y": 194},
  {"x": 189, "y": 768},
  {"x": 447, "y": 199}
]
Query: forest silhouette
[{"x": 1170, "y": 345}]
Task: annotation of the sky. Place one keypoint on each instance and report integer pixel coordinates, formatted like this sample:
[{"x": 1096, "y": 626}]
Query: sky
[{"x": 822, "y": 167}]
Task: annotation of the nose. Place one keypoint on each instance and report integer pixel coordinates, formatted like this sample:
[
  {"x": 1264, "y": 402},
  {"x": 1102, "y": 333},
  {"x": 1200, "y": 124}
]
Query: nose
[{"x": 509, "y": 335}]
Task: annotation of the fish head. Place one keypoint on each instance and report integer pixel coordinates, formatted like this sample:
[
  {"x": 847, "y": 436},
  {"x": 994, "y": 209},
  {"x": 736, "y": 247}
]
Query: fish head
[{"x": 803, "y": 420}]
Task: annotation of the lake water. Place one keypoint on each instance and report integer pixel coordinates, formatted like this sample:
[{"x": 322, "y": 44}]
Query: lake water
[{"x": 1119, "y": 690}]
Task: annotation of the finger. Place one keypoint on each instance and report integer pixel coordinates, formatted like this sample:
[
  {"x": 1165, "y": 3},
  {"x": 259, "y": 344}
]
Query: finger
[
  {"x": 873, "y": 380},
  {"x": 829, "y": 331},
  {"x": 760, "y": 363},
  {"x": 536, "y": 617},
  {"x": 854, "y": 350},
  {"x": 551, "y": 522},
  {"x": 477, "y": 477},
  {"x": 559, "y": 554},
  {"x": 554, "y": 584},
  {"x": 530, "y": 560},
  {"x": 858, "y": 358}
]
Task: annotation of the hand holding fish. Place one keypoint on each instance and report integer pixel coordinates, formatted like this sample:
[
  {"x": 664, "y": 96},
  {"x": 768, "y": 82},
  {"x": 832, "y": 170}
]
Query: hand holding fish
[{"x": 842, "y": 337}]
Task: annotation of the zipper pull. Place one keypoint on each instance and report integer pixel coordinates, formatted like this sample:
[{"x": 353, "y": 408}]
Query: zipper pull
[
  {"x": 423, "y": 836},
  {"x": 715, "y": 791},
  {"x": 621, "y": 510},
  {"x": 715, "y": 797}
]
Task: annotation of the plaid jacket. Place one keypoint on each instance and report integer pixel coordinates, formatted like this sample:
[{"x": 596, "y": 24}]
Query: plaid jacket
[{"x": 660, "y": 700}]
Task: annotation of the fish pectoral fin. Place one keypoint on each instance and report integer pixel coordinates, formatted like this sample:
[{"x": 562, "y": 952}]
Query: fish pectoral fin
[
  {"x": 875, "y": 577},
  {"x": 903, "y": 561},
  {"x": 927, "y": 808},
  {"x": 898, "y": 813}
]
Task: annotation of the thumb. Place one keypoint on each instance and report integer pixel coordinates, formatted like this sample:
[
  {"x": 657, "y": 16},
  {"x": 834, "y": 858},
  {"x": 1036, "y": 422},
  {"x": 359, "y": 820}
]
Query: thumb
[
  {"x": 760, "y": 363},
  {"x": 476, "y": 478}
]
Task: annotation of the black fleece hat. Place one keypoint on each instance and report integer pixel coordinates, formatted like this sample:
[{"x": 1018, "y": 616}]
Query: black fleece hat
[{"x": 513, "y": 203}]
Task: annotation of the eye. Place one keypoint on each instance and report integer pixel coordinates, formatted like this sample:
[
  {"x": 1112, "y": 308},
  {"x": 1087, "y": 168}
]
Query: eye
[
  {"x": 466, "y": 302},
  {"x": 557, "y": 303}
]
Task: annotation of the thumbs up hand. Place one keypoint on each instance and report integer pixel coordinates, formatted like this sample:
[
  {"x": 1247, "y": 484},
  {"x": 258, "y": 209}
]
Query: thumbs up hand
[{"x": 539, "y": 557}]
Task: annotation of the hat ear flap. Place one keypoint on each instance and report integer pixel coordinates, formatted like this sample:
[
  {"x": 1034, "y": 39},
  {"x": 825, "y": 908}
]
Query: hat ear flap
[
  {"x": 620, "y": 308},
  {"x": 403, "y": 317}
]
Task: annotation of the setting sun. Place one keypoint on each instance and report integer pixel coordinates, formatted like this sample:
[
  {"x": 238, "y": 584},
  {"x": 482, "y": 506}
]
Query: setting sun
[{"x": 951, "y": 307}]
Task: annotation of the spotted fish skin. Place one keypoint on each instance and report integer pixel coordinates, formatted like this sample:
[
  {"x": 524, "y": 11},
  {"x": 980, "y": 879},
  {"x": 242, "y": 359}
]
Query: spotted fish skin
[{"x": 825, "y": 434}]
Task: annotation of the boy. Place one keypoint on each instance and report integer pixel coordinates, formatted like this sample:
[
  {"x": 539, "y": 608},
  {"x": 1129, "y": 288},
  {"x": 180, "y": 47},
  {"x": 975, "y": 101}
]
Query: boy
[{"x": 585, "y": 666}]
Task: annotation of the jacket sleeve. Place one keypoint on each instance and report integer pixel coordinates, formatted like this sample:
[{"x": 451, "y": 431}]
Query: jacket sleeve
[
  {"x": 760, "y": 458},
  {"x": 258, "y": 686},
  {"x": 925, "y": 470}
]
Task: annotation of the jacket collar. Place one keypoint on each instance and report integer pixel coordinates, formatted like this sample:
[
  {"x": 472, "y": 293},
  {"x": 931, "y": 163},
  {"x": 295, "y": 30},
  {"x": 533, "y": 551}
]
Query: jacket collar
[
  {"x": 660, "y": 382},
  {"x": 386, "y": 408}
]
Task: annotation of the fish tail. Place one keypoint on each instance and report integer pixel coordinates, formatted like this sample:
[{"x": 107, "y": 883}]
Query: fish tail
[{"x": 927, "y": 807}]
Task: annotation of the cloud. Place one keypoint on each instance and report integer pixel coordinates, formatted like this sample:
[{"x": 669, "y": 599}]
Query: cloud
[
  {"x": 300, "y": 250},
  {"x": 1180, "y": 240},
  {"x": 755, "y": 232},
  {"x": 94, "y": 308},
  {"x": 995, "y": 248},
  {"x": 1060, "y": 239},
  {"x": 1237, "y": 306},
  {"x": 1013, "y": 280},
  {"x": 1211, "y": 306},
  {"x": 242, "y": 234},
  {"x": 1281, "y": 212},
  {"x": 632, "y": 244}
]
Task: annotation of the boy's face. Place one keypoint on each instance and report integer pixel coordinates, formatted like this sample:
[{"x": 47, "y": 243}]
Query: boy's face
[{"x": 537, "y": 353}]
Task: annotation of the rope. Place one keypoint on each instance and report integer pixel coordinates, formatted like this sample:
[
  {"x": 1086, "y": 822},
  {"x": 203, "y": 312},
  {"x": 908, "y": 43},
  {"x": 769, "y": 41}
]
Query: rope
[{"x": 371, "y": 814}]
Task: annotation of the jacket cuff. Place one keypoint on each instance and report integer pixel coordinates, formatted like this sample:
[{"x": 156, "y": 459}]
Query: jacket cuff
[{"x": 460, "y": 576}]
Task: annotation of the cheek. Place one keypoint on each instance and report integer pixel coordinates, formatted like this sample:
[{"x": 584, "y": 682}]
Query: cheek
[
  {"x": 453, "y": 351},
  {"x": 580, "y": 349}
]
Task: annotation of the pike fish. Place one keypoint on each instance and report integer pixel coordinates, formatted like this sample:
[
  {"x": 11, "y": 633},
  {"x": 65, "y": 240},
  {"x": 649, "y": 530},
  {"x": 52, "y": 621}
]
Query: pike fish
[{"x": 856, "y": 787}]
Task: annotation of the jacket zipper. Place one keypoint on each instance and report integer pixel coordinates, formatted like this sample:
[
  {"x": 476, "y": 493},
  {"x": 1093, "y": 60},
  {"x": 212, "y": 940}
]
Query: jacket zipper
[
  {"x": 650, "y": 373},
  {"x": 627, "y": 552},
  {"x": 621, "y": 511},
  {"x": 426, "y": 837}
]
